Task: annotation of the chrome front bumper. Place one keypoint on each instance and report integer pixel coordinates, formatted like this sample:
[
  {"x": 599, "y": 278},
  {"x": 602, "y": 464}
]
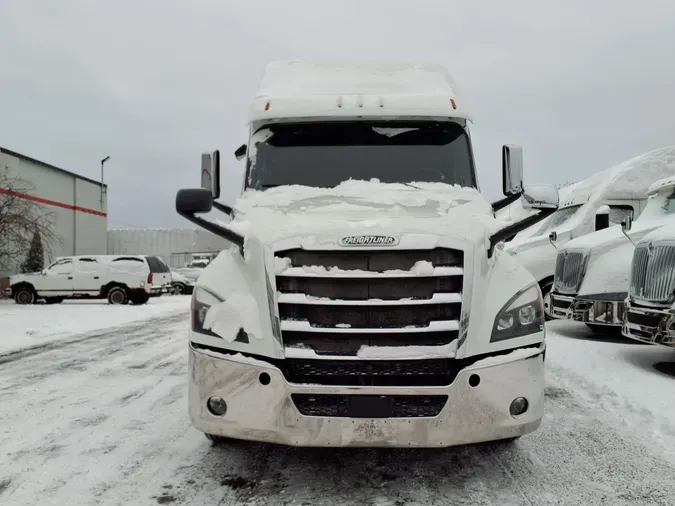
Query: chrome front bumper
[
  {"x": 266, "y": 412},
  {"x": 649, "y": 325},
  {"x": 596, "y": 312}
]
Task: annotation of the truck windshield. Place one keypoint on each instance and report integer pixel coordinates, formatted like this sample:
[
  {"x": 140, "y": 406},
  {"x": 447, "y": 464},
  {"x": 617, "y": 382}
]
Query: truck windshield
[
  {"x": 325, "y": 154},
  {"x": 558, "y": 218}
]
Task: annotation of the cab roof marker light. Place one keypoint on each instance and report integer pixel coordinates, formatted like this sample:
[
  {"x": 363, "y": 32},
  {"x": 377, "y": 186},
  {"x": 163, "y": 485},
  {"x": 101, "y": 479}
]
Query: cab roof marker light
[
  {"x": 453, "y": 104},
  {"x": 267, "y": 106}
]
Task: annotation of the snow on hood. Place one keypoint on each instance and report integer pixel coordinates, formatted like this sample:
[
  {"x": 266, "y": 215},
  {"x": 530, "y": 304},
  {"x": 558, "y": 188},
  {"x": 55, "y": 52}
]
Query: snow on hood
[
  {"x": 665, "y": 233},
  {"x": 364, "y": 206},
  {"x": 609, "y": 271}
]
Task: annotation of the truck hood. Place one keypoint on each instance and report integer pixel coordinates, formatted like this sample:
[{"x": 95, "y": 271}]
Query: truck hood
[
  {"x": 611, "y": 237},
  {"x": 364, "y": 207},
  {"x": 24, "y": 277}
]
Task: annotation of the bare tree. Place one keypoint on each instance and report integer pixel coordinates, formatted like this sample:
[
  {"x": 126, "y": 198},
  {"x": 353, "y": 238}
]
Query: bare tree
[{"x": 21, "y": 217}]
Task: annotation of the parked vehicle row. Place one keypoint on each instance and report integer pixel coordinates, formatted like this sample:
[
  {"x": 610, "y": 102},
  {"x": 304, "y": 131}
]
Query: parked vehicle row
[
  {"x": 622, "y": 279},
  {"x": 604, "y": 199},
  {"x": 120, "y": 279}
]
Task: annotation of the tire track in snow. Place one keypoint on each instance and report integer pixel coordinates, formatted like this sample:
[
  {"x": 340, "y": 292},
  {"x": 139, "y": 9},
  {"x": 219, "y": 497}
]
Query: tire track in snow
[{"x": 143, "y": 450}]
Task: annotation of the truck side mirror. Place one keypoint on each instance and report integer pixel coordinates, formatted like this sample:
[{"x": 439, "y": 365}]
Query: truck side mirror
[
  {"x": 512, "y": 170},
  {"x": 553, "y": 236},
  {"x": 211, "y": 173},
  {"x": 193, "y": 201},
  {"x": 540, "y": 196},
  {"x": 602, "y": 218},
  {"x": 627, "y": 224},
  {"x": 240, "y": 152}
]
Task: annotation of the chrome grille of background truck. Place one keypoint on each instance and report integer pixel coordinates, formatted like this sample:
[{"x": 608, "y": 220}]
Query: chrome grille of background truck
[
  {"x": 653, "y": 273},
  {"x": 334, "y": 313},
  {"x": 568, "y": 271}
]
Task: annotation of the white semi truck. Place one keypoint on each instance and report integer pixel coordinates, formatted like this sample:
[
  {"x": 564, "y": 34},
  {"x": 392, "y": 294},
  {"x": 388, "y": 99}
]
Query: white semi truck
[
  {"x": 592, "y": 272},
  {"x": 650, "y": 307},
  {"x": 366, "y": 300},
  {"x": 622, "y": 189}
]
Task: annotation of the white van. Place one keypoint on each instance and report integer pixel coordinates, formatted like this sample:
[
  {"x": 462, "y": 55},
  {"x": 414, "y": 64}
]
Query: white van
[
  {"x": 622, "y": 188},
  {"x": 119, "y": 278},
  {"x": 591, "y": 276}
]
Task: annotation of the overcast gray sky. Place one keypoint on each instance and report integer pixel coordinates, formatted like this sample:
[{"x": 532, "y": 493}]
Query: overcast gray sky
[{"x": 580, "y": 84}]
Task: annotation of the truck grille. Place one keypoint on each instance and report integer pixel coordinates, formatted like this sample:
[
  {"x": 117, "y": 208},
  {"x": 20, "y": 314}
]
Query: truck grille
[
  {"x": 367, "y": 406},
  {"x": 653, "y": 273},
  {"x": 337, "y": 301},
  {"x": 569, "y": 271}
]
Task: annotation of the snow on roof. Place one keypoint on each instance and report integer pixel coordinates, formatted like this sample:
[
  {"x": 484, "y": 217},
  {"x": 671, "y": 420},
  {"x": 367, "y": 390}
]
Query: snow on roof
[
  {"x": 666, "y": 233},
  {"x": 666, "y": 182},
  {"x": 291, "y": 89}
]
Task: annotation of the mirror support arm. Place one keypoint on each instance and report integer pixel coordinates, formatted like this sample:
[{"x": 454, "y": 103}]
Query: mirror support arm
[
  {"x": 222, "y": 208},
  {"x": 501, "y": 204},
  {"x": 223, "y": 232},
  {"x": 506, "y": 232}
]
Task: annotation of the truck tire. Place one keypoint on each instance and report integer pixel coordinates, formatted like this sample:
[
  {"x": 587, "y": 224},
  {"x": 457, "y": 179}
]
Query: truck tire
[
  {"x": 178, "y": 288},
  {"x": 139, "y": 299},
  {"x": 546, "y": 288},
  {"x": 24, "y": 295},
  {"x": 607, "y": 330},
  {"x": 117, "y": 295}
]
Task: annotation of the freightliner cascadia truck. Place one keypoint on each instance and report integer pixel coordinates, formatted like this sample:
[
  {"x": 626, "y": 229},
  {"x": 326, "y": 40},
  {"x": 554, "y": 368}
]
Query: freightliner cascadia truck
[{"x": 365, "y": 298}]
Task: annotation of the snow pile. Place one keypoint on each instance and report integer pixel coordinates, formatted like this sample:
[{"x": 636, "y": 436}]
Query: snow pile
[
  {"x": 238, "y": 311},
  {"x": 34, "y": 325},
  {"x": 292, "y": 211},
  {"x": 421, "y": 268},
  {"x": 281, "y": 264},
  {"x": 408, "y": 352}
]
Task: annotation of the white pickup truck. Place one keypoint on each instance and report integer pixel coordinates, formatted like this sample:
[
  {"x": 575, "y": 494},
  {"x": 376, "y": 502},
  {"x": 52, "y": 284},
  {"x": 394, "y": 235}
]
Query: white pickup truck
[
  {"x": 591, "y": 277},
  {"x": 118, "y": 278},
  {"x": 366, "y": 299}
]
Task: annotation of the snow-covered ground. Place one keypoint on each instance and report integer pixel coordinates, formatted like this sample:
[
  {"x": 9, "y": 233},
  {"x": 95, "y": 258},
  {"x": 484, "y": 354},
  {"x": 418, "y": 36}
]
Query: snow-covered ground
[
  {"x": 30, "y": 326},
  {"x": 103, "y": 420}
]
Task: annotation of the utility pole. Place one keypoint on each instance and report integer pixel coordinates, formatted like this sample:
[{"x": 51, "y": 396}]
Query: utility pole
[{"x": 102, "y": 163}]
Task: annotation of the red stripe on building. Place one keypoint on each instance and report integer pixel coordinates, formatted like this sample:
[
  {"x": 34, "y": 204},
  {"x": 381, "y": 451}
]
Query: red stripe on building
[{"x": 54, "y": 203}]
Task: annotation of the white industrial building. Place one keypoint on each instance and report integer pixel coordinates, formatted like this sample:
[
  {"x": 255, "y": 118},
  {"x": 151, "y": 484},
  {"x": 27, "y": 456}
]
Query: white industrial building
[
  {"x": 175, "y": 246},
  {"x": 77, "y": 204}
]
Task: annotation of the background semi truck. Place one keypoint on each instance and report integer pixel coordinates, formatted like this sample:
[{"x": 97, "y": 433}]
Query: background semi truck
[
  {"x": 592, "y": 272},
  {"x": 366, "y": 299},
  {"x": 604, "y": 199}
]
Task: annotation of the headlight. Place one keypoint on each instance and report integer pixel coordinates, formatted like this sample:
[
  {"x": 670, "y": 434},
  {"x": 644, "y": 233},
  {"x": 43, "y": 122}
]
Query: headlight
[
  {"x": 522, "y": 315},
  {"x": 202, "y": 300}
]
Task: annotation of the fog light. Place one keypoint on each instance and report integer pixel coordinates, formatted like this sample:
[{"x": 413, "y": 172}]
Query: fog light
[
  {"x": 518, "y": 406},
  {"x": 217, "y": 406}
]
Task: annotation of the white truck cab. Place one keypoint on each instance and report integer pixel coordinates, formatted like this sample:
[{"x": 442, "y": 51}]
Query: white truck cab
[
  {"x": 622, "y": 189},
  {"x": 366, "y": 299},
  {"x": 650, "y": 307},
  {"x": 591, "y": 276},
  {"x": 118, "y": 278}
]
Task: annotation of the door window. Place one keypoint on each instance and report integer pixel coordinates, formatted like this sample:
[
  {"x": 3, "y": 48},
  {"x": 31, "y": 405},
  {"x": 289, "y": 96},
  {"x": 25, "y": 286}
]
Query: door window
[{"x": 62, "y": 267}]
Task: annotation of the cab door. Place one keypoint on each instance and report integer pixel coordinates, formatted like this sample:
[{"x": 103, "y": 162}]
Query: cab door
[{"x": 87, "y": 277}]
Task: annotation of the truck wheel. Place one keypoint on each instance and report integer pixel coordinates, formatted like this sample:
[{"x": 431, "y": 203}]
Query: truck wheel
[
  {"x": 216, "y": 440},
  {"x": 117, "y": 295},
  {"x": 139, "y": 299},
  {"x": 24, "y": 295},
  {"x": 608, "y": 330},
  {"x": 53, "y": 300},
  {"x": 178, "y": 288},
  {"x": 546, "y": 293}
]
